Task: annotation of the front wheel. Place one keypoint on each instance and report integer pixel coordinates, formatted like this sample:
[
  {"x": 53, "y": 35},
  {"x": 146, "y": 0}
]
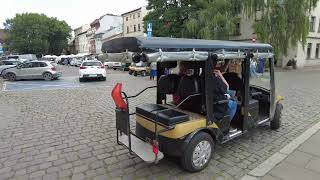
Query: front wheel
[
  {"x": 11, "y": 76},
  {"x": 144, "y": 73},
  {"x": 198, "y": 152},
  {"x": 47, "y": 76},
  {"x": 81, "y": 79},
  {"x": 103, "y": 79},
  {"x": 276, "y": 121}
]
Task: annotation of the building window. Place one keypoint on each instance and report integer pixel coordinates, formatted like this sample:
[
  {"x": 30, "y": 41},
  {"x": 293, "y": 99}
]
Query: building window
[
  {"x": 138, "y": 15},
  {"x": 317, "y": 51},
  {"x": 135, "y": 28},
  {"x": 237, "y": 30},
  {"x": 139, "y": 27},
  {"x": 127, "y": 18},
  {"x": 127, "y": 29},
  {"x": 309, "y": 50},
  {"x": 134, "y": 16},
  {"x": 312, "y": 24},
  {"x": 319, "y": 27}
]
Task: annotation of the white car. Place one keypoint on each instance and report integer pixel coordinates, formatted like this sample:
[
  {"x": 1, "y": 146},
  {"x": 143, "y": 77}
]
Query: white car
[{"x": 92, "y": 70}]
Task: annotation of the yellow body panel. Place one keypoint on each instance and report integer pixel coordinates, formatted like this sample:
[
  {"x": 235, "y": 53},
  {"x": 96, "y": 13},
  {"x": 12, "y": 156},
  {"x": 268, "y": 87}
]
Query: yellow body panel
[{"x": 180, "y": 130}]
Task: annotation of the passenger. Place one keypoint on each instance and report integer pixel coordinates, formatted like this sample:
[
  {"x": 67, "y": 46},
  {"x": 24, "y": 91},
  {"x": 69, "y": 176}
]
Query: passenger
[
  {"x": 222, "y": 90},
  {"x": 182, "y": 71}
]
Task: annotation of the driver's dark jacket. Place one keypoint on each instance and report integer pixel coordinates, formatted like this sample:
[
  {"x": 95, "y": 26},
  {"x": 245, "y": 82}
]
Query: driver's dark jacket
[{"x": 220, "y": 89}]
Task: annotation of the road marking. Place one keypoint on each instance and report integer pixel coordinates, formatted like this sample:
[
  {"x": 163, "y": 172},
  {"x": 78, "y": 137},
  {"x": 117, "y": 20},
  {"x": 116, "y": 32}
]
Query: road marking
[{"x": 4, "y": 86}]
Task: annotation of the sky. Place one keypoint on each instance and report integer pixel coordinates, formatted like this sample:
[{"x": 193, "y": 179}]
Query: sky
[{"x": 74, "y": 12}]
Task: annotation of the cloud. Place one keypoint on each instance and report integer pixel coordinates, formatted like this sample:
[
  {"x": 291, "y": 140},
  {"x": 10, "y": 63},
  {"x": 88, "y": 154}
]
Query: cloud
[{"x": 74, "y": 12}]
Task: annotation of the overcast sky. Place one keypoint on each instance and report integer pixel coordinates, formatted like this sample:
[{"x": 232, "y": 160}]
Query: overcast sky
[{"x": 74, "y": 12}]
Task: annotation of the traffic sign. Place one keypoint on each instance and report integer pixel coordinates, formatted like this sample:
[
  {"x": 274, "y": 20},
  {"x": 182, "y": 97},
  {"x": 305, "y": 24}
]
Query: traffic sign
[{"x": 149, "y": 27}]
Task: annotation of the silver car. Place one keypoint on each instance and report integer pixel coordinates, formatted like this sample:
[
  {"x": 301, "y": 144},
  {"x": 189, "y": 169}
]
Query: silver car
[
  {"x": 8, "y": 64},
  {"x": 32, "y": 70}
]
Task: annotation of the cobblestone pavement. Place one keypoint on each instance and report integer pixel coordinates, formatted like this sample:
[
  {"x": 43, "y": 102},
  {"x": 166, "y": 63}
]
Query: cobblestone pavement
[{"x": 70, "y": 134}]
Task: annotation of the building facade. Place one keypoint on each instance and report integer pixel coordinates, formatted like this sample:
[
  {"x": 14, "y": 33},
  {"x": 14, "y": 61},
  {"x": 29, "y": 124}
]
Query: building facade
[
  {"x": 81, "y": 40},
  {"x": 307, "y": 56},
  {"x": 133, "y": 24},
  {"x": 100, "y": 27}
]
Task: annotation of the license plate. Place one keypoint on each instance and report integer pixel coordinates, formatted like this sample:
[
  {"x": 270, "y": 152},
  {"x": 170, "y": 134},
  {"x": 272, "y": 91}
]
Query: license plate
[{"x": 93, "y": 75}]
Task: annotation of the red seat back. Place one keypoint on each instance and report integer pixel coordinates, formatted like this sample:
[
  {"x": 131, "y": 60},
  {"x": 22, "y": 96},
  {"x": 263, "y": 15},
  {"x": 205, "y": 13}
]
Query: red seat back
[{"x": 117, "y": 97}]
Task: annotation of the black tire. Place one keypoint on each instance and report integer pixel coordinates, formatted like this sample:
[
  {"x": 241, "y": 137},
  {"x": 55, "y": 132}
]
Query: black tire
[
  {"x": 186, "y": 159},
  {"x": 114, "y": 68},
  {"x": 276, "y": 121},
  {"x": 143, "y": 73},
  {"x": 11, "y": 76},
  {"x": 47, "y": 76},
  {"x": 135, "y": 73},
  {"x": 130, "y": 72},
  {"x": 81, "y": 79},
  {"x": 103, "y": 79}
]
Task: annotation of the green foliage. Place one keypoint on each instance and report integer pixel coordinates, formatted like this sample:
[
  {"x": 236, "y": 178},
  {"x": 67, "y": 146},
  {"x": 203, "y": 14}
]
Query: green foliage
[
  {"x": 32, "y": 33},
  {"x": 169, "y": 16},
  {"x": 215, "y": 19},
  {"x": 283, "y": 23}
]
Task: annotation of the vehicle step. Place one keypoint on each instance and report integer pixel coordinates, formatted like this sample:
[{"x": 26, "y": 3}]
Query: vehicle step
[{"x": 141, "y": 148}]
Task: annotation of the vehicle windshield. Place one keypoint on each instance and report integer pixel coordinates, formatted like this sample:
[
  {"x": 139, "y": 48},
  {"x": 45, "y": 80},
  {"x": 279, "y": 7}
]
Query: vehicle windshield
[
  {"x": 91, "y": 64},
  {"x": 260, "y": 73}
]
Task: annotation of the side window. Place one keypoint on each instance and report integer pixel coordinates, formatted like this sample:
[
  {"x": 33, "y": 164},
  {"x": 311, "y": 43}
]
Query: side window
[
  {"x": 27, "y": 65},
  {"x": 35, "y": 64},
  {"x": 43, "y": 64}
]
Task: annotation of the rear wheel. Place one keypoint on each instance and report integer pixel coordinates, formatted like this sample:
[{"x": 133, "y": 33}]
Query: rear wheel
[
  {"x": 130, "y": 72},
  {"x": 81, "y": 79},
  {"x": 276, "y": 121},
  {"x": 135, "y": 73},
  {"x": 198, "y": 152},
  {"x": 11, "y": 76},
  {"x": 103, "y": 79},
  {"x": 47, "y": 76}
]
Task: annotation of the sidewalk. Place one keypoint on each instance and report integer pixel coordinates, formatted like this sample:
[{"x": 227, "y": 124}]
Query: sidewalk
[
  {"x": 303, "y": 163},
  {"x": 299, "y": 160}
]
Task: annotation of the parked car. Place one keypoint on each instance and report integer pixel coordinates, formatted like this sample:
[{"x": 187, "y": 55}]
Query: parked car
[
  {"x": 92, "y": 69},
  {"x": 32, "y": 70},
  {"x": 113, "y": 65},
  {"x": 139, "y": 69},
  {"x": 5, "y": 64},
  {"x": 75, "y": 62}
]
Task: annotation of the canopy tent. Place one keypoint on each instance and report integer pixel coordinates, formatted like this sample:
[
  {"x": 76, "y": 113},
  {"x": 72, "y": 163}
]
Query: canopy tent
[{"x": 172, "y": 49}]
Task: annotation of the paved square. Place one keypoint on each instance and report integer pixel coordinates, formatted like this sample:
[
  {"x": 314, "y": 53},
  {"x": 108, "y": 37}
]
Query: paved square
[{"x": 70, "y": 133}]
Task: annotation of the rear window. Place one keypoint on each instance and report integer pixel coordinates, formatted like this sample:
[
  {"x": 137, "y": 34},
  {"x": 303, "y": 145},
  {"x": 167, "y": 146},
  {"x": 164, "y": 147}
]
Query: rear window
[
  {"x": 10, "y": 62},
  {"x": 92, "y": 64}
]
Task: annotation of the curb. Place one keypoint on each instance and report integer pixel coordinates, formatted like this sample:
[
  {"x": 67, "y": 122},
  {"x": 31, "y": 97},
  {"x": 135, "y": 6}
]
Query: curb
[{"x": 261, "y": 170}]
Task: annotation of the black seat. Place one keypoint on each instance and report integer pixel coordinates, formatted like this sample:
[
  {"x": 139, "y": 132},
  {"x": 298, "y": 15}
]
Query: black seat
[
  {"x": 168, "y": 84},
  {"x": 168, "y": 118},
  {"x": 190, "y": 85}
]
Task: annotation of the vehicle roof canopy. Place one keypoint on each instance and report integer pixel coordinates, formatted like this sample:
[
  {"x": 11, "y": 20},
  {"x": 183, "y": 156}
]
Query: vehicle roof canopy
[{"x": 170, "y": 49}]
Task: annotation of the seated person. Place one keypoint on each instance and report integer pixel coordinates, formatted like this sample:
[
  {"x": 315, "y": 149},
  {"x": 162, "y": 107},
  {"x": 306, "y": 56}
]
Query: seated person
[{"x": 222, "y": 90}]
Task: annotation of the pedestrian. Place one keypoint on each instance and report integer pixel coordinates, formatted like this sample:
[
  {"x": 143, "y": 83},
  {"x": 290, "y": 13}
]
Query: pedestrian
[
  {"x": 153, "y": 71},
  {"x": 253, "y": 66}
]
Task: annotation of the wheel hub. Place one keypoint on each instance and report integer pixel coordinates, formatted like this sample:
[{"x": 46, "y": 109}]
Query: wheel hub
[{"x": 201, "y": 154}]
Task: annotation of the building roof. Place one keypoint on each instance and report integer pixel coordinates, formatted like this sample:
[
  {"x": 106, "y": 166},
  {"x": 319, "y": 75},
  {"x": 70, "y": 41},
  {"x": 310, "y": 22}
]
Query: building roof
[{"x": 131, "y": 11}]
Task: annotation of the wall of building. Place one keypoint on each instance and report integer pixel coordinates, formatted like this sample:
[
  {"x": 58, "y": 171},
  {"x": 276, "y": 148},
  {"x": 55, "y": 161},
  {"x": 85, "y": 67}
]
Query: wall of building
[
  {"x": 81, "y": 40},
  {"x": 131, "y": 22},
  {"x": 300, "y": 53},
  {"x": 107, "y": 23}
]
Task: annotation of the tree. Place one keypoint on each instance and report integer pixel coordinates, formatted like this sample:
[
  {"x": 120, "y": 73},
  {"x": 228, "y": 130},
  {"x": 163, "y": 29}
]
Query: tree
[
  {"x": 32, "y": 33},
  {"x": 284, "y": 23},
  {"x": 169, "y": 16},
  {"x": 215, "y": 19}
]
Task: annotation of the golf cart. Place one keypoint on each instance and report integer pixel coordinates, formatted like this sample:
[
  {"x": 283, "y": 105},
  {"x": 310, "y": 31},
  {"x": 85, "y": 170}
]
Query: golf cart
[{"x": 190, "y": 128}]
